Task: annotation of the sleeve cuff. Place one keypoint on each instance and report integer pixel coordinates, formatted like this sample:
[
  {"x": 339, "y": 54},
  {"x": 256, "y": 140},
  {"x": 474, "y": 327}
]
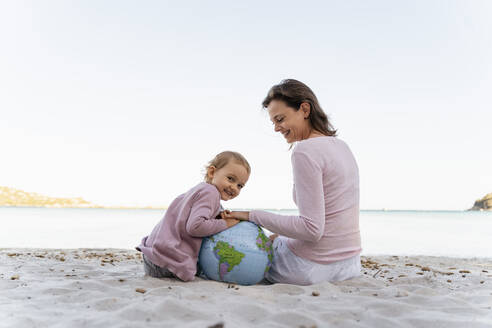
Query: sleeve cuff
[{"x": 252, "y": 217}]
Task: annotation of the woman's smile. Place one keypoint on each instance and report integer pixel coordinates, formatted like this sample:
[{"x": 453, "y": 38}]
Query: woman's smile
[{"x": 288, "y": 121}]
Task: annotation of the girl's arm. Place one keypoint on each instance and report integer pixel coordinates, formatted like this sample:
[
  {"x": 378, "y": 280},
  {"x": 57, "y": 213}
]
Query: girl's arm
[{"x": 201, "y": 222}]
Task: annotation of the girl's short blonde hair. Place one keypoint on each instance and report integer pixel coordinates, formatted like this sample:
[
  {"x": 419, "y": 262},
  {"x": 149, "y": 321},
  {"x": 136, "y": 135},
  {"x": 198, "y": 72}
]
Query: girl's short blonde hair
[{"x": 222, "y": 159}]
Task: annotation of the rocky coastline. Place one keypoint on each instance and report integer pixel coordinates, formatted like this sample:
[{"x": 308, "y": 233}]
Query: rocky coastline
[
  {"x": 12, "y": 197},
  {"x": 483, "y": 204},
  {"x": 20, "y": 198}
]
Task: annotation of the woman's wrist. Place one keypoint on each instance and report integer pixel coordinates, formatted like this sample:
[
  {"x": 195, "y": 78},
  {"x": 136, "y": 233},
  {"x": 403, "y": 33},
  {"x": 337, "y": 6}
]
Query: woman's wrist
[{"x": 241, "y": 215}]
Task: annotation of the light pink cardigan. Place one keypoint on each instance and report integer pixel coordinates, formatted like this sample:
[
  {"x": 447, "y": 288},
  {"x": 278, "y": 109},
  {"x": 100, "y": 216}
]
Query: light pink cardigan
[
  {"x": 175, "y": 241},
  {"x": 326, "y": 192}
]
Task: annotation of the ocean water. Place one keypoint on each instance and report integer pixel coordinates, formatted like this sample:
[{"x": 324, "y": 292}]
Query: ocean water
[{"x": 440, "y": 233}]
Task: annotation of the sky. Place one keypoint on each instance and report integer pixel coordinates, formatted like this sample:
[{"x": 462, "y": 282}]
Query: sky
[{"x": 124, "y": 102}]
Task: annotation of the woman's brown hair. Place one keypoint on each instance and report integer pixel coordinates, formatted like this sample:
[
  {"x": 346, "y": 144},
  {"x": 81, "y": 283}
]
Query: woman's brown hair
[{"x": 294, "y": 93}]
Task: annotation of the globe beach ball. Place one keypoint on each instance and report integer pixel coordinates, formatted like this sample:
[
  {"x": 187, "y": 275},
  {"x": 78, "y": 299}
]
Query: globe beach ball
[{"x": 241, "y": 254}]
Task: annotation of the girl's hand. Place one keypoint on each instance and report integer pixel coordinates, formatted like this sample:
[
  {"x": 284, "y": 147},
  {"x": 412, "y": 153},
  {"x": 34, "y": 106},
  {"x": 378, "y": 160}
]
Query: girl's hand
[
  {"x": 224, "y": 213},
  {"x": 231, "y": 222},
  {"x": 273, "y": 237},
  {"x": 240, "y": 215}
]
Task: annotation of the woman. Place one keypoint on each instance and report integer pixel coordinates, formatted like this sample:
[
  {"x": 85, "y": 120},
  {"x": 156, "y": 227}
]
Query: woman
[{"x": 322, "y": 243}]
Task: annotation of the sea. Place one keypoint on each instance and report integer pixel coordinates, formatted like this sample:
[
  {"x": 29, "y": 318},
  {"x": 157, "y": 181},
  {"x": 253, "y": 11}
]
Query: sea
[{"x": 383, "y": 232}]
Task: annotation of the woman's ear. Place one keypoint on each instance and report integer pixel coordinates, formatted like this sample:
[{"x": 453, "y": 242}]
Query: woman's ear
[
  {"x": 210, "y": 172},
  {"x": 306, "y": 109}
]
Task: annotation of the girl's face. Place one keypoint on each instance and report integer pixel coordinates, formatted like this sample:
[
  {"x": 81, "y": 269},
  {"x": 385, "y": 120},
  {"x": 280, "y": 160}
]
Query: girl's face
[
  {"x": 293, "y": 124},
  {"x": 229, "y": 180}
]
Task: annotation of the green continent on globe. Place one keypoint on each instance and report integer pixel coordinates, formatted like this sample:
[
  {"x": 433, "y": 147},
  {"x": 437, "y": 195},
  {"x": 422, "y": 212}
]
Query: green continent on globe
[
  {"x": 264, "y": 243},
  {"x": 228, "y": 257}
]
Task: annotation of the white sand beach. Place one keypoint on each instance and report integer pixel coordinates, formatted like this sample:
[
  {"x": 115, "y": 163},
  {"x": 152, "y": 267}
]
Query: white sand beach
[{"x": 107, "y": 288}]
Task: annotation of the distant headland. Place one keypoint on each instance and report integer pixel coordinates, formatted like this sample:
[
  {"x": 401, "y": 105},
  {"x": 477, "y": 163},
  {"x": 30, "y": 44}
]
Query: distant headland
[
  {"x": 19, "y": 198},
  {"x": 484, "y": 204}
]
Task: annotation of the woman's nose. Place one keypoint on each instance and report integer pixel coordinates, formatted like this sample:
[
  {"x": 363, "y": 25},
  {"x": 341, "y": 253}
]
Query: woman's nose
[{"x": 276, "y": 128}]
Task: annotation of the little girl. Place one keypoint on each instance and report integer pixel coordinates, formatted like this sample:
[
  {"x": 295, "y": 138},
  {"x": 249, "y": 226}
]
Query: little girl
[{"x": 171, "y": 249}]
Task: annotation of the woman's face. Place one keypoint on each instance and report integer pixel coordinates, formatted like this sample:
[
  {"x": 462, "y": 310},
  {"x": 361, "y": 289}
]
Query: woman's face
[{"x": 292, "y": 124}]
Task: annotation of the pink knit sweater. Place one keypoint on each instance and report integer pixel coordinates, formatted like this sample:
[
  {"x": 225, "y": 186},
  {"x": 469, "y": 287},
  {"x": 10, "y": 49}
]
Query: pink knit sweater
[
  {"x": 326, "y": 192},
  {"x": 175, "y": 241}
]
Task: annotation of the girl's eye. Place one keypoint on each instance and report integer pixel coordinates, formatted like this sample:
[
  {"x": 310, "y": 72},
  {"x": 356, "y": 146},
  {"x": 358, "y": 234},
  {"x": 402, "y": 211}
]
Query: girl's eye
[
  {"x": 240, "y": 186},
  {"x": 229, "y": 178}
]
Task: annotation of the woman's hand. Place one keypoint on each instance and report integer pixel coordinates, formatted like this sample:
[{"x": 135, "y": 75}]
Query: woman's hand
[
  {"x": 273, "y": 237},
  {"x": 231, "y": 222},
  {"x": 240, "y": 215}
]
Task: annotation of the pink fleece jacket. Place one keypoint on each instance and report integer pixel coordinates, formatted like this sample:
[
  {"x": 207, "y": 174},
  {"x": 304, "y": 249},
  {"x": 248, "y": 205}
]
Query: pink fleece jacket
[
  {"x": 326, "y": 192},
  {"x": 175, "y": 241}
]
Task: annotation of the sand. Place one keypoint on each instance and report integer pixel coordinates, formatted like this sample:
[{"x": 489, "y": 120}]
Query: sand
[{"x": 107, "y": 288}]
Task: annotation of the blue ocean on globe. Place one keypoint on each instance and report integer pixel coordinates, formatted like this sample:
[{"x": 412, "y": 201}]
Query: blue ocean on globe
[{"x": 241, "y": 254}]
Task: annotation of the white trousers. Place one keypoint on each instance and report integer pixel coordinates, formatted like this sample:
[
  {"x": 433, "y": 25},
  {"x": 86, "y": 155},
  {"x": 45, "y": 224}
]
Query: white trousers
[{"x": 289, "y": 268}]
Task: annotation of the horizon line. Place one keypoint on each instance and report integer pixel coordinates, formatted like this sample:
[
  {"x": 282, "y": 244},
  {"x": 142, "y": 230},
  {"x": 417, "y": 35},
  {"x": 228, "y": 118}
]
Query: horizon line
[{"x": 234, "y": 209}]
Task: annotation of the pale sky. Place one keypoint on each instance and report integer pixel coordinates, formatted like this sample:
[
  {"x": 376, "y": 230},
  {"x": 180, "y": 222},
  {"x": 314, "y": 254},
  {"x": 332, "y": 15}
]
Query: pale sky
[{"x": 124, "y": 102}]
